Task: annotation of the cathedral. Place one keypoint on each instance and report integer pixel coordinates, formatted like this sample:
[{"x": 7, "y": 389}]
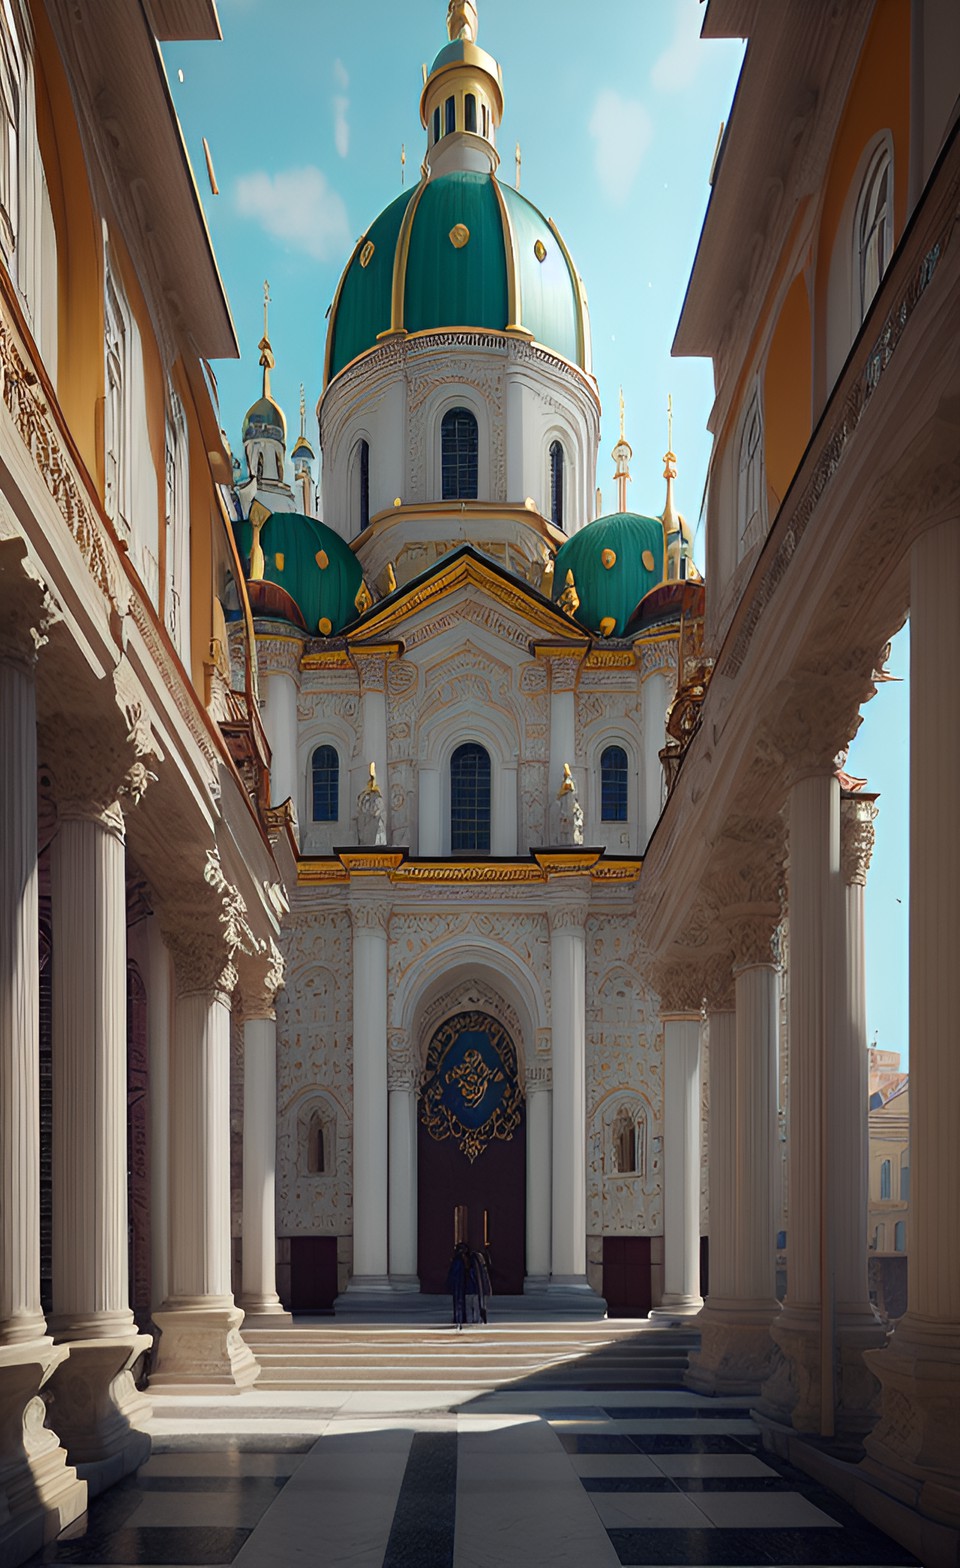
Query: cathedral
[
  {"x": 464, "y": 681},
  {"x": 395, "y": 852}
]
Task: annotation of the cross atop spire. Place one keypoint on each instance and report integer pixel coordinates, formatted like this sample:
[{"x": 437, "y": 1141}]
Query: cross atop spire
[
  {"x": 266, "y": 352},
  {"x": 621, "y": 455}
]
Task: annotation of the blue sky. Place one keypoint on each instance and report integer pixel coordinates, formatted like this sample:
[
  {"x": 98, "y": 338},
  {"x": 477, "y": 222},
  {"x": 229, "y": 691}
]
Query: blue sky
[{"x": 616, "y": 107}]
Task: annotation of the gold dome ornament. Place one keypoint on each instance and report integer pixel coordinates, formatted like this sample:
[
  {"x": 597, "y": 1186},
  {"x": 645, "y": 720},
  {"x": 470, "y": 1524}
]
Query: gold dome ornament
[
  {"x": 540, "y": 250},
  {"x": 322, "y": 560},
  {"x": 459, "y": 235},
  {"x": 608, "y": 626},
  {"x": 569, "y": 600},
  {"x": 648, "y": 561},
  {"x": 609, "y": 558},
  {"x": 363, "y": 599},
  {"x": 325, "y": 625},
  {"x": 366, "y": 255}
]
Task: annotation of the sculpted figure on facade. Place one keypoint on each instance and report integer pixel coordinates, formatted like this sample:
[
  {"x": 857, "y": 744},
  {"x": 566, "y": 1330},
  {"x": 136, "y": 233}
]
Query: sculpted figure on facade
[{"x": 371, "y": 813}]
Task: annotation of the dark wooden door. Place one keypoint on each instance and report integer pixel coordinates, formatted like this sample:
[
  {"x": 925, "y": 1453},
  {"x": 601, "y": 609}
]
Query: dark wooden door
[
  {"x": 626, "y": 1276},
  {"x": 472, "y": 1152},
  {"x": 313, "y": 1273}
]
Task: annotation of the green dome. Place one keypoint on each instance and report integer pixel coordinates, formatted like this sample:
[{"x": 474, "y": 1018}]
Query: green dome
[
  {"x": 291, "y": 544},
  {"x": 448, "y": 285},
  {"x": 611, "y": 591}
]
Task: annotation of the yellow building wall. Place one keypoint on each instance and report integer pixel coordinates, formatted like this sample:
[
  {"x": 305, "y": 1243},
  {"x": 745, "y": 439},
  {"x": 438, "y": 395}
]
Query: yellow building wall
[
  {"x": 202, "y": 587},
  {"x": 787, "y": 393}
]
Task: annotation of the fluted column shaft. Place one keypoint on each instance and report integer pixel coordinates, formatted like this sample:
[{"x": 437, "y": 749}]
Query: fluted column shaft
[
  {"x": 722, "y": 1024},
  {"x": 159, "y": 1026},
  {"x": 917, "y": 1438},
  {"x": 539, "y": 1159},
  {"x": 90, "y": 1243},
  {"x": 681, "y": 1161},
  {"x": 757, "y": 1010},
  {"x": 402, "y": 1116},
  {"x": 849, "y": 1078},
  {"x": 200, "y": 1248},
  {"x": 21, "y": 1318},
  {"x": 568, "y": 979},
  {"x": 259, "y": 1268},
  {"x": 370, "y": 1109}
]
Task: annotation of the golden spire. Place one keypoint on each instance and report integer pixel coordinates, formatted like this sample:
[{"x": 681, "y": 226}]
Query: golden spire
[
  {"x": 266, "y": 352},
  {"x": 621, "y": 455},
  {"x": 303, "y": 414},
  {"x": 462, "y": 21},
  {"x": 671, "y": 517}
]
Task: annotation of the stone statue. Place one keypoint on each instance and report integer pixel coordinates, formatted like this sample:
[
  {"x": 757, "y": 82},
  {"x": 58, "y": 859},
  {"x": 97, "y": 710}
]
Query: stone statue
[
  {"x": 371, "y": 813},
  {"x": 568, "y": 812}
]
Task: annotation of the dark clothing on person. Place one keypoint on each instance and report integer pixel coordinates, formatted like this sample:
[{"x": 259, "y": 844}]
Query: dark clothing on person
[
  {"x": 481, "y": 1282},
  {"x": 459, "y": 1283}
]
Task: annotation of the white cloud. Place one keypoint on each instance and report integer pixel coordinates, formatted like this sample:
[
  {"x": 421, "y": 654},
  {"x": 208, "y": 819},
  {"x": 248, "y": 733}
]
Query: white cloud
[
  {"x": 296, "y": 205},
  {"x": 341, "y": 75},
  {"x": 622, "y": 130},
  {"x": 675, "y": 69},
  {"x": 341, "y": 106}
]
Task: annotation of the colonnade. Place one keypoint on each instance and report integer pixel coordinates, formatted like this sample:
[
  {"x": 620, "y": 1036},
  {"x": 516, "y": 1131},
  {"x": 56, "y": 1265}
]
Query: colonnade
[{"x": 87, "y": 1354}]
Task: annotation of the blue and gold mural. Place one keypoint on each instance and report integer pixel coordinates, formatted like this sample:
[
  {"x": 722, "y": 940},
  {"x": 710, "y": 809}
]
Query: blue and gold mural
[{"x": 470, "y": 1084}]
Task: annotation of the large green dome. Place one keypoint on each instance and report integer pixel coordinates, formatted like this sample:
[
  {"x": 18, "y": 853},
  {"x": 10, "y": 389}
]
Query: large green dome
[
  {"x": 317, "y": 572},
  {"x": 615, "y": 561},
  {"x": 460, "y": 250}
]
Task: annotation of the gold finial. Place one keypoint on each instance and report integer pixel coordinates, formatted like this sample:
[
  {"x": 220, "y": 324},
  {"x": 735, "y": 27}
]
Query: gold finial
[
  {"x": 669, "y": 421},
  {"x": 303, "y": 413},
  {"x": 519, "y": 159},
  {"x": 622, "y": 415},
  {"x": 266, "y": 352},
  {"x": 391, "y": 578},
  {"x": 621, "y": 455},
  {"x": 569, "y": 600},
  {"x": 462, "y": 21}
]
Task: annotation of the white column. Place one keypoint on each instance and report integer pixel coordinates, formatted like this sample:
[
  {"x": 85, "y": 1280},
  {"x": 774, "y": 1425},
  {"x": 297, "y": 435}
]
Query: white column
[
  {"x": 159, "y": 1025},
  {"x": 504, "y": 839},
  {"x": 919, "y": 1372},
  {"x": 39, "y": 1493},
  {"x": 568, "y": 980},
  {"x": 200, "y": 1346},
  {"x": 657, "y": 691},
  {"x": 100, "y": 1414},
  {"x": 402, "y": 1117},
  {"x": 370, "y": 1119},
  {"x": 280, "y": 723},
  {"x": 802, "y": 1389},
  {"x": 722, "y": 1026},
  {"x": 681, "y": 1165},
  {"x": 757, "y": 1014},
  {"x": 539, "y": 1164},
  {"x": 430, "y": 835},
  {"x": 258, "y": 1287}
]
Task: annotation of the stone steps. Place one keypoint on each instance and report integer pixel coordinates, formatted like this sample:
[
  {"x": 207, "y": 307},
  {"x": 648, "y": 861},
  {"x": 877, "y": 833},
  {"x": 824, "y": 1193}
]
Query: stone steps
[{"x": 606, "y": 1355}]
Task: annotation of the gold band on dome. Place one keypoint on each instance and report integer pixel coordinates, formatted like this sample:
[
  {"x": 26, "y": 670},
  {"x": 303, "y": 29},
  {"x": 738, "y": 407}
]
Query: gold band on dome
[
  {"x": 332, "y": 326},
  {"x": 401, "y": 256},
  {"x": 514, "y": 300},
  {"x": 578, "y": 292}
]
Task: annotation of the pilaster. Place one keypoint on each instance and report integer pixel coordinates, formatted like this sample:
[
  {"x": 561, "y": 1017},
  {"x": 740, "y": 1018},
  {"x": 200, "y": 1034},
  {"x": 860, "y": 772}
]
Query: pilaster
[
  {"x": 402, "y": 1201},
  {"x": 260, "y": 983},
  {"x": 369, "y": 916},
  {"x": 569, "y": 1209},
  {"x": 539, "y": 1095}
]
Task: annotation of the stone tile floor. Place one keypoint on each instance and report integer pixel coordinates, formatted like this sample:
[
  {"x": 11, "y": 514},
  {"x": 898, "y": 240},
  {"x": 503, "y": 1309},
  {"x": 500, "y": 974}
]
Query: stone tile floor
[{"x": 504, "y": 1480}]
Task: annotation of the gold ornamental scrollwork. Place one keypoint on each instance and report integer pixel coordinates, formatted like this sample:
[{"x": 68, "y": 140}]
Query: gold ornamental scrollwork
[{"x": 470, "y": 1089}]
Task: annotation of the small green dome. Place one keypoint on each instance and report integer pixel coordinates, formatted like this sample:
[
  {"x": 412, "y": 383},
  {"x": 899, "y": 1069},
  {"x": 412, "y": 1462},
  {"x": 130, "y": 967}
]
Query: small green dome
[
  {"x": 295, "y": 549},
  {"x": 465, "y": 253},
  {"x": 615, "y": 561}
]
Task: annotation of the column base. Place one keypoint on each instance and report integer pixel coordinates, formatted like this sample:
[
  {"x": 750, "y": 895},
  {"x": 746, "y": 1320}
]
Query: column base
[
  {"x": 736, "y": 1351},
  {"x": 200, "y": 1348},
  {"x": 40, "y": 1491},
  {"x": 100, "y": 1413},
  {"x": 791, "y": 1395},
  {"x": 264, "y": 1312},
  {"x": 915, "y": 1447},
  {"x": 674, "y": 1305}
]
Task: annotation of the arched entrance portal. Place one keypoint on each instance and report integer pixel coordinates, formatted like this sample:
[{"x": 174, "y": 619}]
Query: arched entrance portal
[{"x": 471, "y": 1151}]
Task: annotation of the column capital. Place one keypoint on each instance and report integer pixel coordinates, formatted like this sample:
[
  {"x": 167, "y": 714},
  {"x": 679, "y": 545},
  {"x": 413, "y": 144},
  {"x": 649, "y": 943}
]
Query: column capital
[
  {"x": 569, "y": 917},
  {"x": 371, "y": 666},
  {"x": 261, "y": 977},
  {"x": 27, "y": 608},
  {"x": 718, "y": 983},
  {"x": 100, "y": 759},
  {"x": 562, "y": 661},
  {"x": 679, "y": 983},
  {"x": 206, "y": 929},
  {"x": 857, "y": 837},
  {"x": 403, "y": 1069},
  {"x": 756, "y": 937},
  {"x": 279, "y": 654},
  {"x": 537, "y": 1078},
  {"x": 370, "y": 916}
]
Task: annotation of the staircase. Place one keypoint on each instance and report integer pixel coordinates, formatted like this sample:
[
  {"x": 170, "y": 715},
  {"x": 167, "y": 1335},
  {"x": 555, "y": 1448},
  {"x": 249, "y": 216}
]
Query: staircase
[{"x": 539, "y": 1356}]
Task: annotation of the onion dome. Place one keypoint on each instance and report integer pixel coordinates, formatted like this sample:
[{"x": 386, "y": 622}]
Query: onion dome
[
  {"x": 265, "y": 419},
  {"x": 612, "y": 564},
  {"x": 303, "y": 452},
  {"x": 300, "y": 571}
]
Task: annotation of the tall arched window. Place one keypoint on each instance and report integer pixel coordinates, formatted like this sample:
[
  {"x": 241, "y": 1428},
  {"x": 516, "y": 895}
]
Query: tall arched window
[
  {"x": 364, "y": 461},
  {"x": 556, "y": 484},
  {"x": 458, "y": 455},
  {"x": 450, "y": 116},
  {"x": 900, "y": 1236},
  {"x": 470, "y": 111},
  {"x": 613, "y": 785},
  {"x": 885, "y": 1179},
  {"x": 873, "y": 231},
  {"x": 436, "y": 124},
  {"x": 325, "y": 770},
  {"x": 470, "y": 800}
]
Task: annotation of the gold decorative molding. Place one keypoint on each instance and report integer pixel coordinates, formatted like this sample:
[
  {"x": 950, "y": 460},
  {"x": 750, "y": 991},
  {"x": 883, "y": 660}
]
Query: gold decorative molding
[
  {"x": 544, "y": 865},
  {"x": 465, "y": 572}
]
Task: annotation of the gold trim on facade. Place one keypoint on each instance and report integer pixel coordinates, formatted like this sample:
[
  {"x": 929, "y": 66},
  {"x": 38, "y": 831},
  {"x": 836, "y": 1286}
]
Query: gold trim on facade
[
  {"x": 328, "y": 348},
  {"x": 579, "y": 292},
  {"x": 515, "y": 325},
  {"x": 465, "y": 572},
  {"x": 400, "y": 257},
  {"x": 319, "y": 871}
]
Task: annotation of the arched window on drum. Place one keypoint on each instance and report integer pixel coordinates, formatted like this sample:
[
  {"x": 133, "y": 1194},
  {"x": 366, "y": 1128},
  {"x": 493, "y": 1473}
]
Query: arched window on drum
[
  {"x": 614, "y": 792},
  {"x": 325, "y": 784},
  {"x": 556, "y": 483},
  {"x": 459, "y": 448},
  {"x": 470, "y": 800}
]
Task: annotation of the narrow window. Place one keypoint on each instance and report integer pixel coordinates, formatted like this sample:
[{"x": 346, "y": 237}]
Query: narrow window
[
  {"x": 326, "y": 784},
  {"x": 364, "y": 485},
  {"x": 458, "y": 455},
  {"x": 470, "y": 800},
  {"x": 885, "y": 1179},
  {"x": 625, "y": 1143},
  {"x": 749, "y": 476},
  {"x": 613, "y": 785},
  {"x": 450, "y": 113},
  {"x": 470, "y": 111},
  {"x": 900, "y": 1237},
  {"x": 873, "y": 234},
  {"x": 556, "y": 484},
  {"x": 316, "y": 1146},
  {"x": 905, "y": 1183},
  {"x": 436, "y": 124}
]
